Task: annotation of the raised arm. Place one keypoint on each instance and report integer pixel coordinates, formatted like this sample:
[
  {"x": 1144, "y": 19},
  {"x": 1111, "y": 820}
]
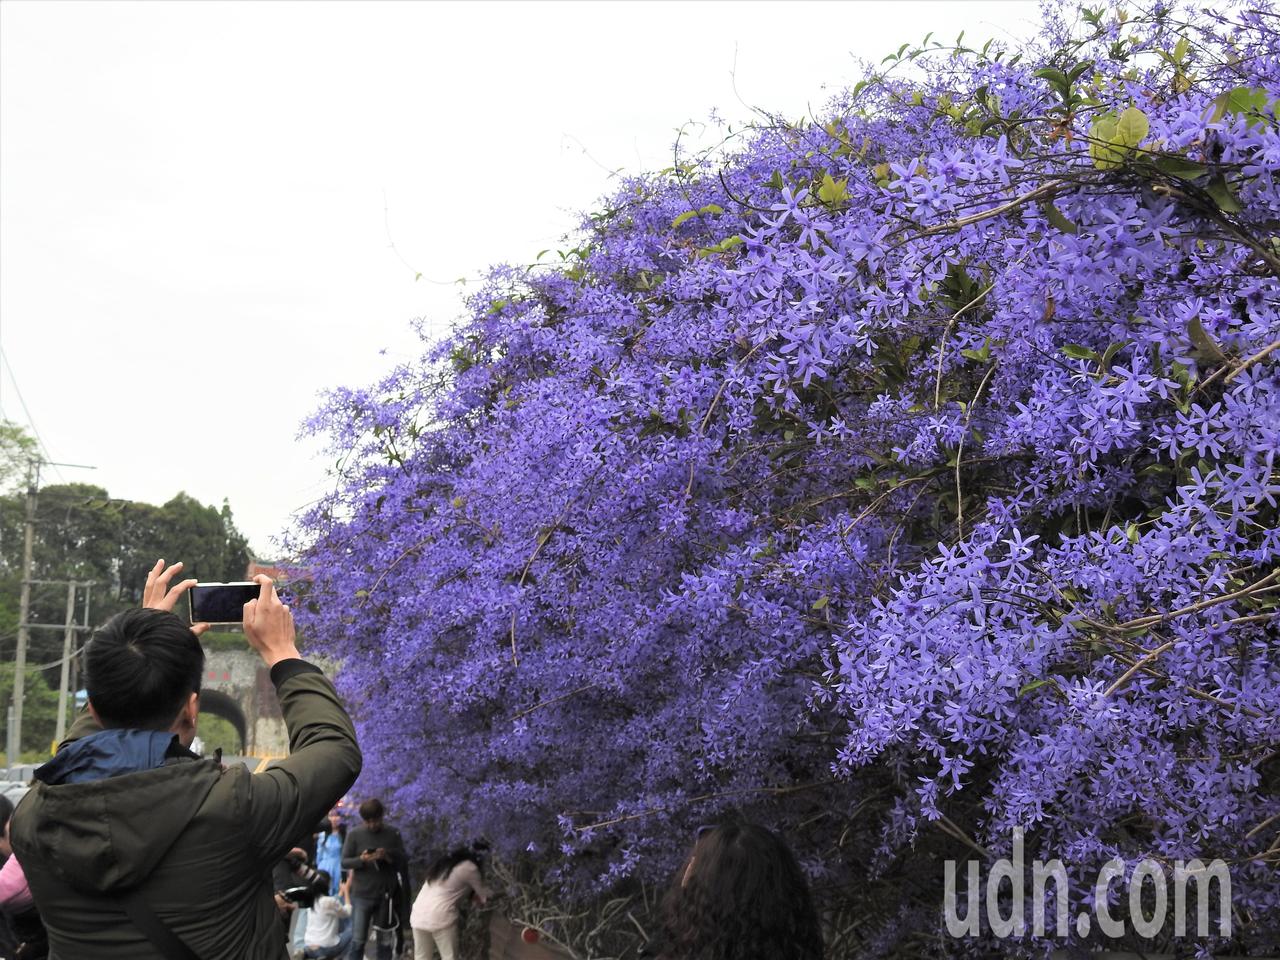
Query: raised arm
[{"x": 324, "y": 759}]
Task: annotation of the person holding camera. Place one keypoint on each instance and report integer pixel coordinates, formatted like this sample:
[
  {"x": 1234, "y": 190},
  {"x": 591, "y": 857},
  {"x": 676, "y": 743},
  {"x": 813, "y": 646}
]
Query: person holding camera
[
  {"x": 137, "y": 849},
  {"x": 374, "y": 853},
  {"x": 292, "y": 879}
]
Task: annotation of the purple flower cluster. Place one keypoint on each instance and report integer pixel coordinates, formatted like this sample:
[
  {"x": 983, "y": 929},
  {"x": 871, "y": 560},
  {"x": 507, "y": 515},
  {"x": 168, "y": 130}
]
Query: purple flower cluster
[{"x": 897, "y": 479}]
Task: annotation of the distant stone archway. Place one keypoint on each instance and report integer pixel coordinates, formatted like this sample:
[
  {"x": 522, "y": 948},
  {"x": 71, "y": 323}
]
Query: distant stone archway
[
  {"x": 223, "y": 705},
  {"x": 237, "y": 687}
]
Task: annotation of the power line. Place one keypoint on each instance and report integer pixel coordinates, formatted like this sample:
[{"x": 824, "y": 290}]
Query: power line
[{"x": 30, "y": 419}]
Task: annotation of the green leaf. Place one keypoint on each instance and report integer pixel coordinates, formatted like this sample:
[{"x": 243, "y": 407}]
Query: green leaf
[
  {"x": 1079, "y": 70},
  {"x": 713, "y": 208},
  {"x": 724, "y": 246},
  {"x": 1077, "y": 352},
  {"x": 1056, "y": 78},
  {"x": 821, "y": 602},
  {"x": 1182, "y": 374},
  {"x": 1207, "y": 349},
  {"x": 1109, "y": 354},
  {"x": 832, "y": 191},
  {"x": 1221, "y": 193},
  {"x": 1131, "y": 532},
  {"x": 687, "y": 215},
  {"x": 1180, "y": 167},
  {"x": 776, "y": 180},
  {"x": 1240, "y": 100},
  {"x": 1034, "y": 685},
  {"x": 1057, "y": 219},
  {"x": 1132, "y": 127},
  {"x": 1102, "y": 136}
]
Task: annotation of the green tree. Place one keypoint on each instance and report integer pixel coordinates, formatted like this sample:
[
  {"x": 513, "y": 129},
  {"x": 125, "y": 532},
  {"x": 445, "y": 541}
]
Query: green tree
[
  {"x": 203, "y": 537},
  {"x": 83, "y": 533},
  {"x": 39, "y": 711},
  {"x": 17, "y": 448}
]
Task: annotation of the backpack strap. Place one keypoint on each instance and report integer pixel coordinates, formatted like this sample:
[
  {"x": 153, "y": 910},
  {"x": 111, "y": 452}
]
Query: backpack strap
[{"x": 161, "y": 937}]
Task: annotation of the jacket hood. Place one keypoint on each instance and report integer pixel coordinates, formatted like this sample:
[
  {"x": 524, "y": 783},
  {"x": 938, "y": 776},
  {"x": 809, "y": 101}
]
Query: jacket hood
[
  {"x": 108, "y": 807},
  {"x": 109, "y": 754}
]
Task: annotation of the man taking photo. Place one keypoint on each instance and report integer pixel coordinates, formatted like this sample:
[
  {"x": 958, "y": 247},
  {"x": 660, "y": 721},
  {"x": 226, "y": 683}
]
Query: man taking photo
[{"x": 137, "y": 849}]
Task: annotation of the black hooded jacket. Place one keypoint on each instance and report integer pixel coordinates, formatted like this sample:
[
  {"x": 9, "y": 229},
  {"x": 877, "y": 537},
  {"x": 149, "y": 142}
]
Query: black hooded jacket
[{"x": 123, "y": 810}]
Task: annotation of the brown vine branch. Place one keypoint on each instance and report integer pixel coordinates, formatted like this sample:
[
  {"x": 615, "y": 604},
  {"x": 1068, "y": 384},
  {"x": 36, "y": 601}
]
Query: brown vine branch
[
  {"x": 1128, "y": 674},
  {"x": 702, "y": 427},
  {"x": 948, "y": 826},
  {"x": 1192, "y": 691},
  {"x": 942, "y": 344},
  {"x": 546, "y": 703},
  {"x": 968, "y": 415},
  {"x": 1042, "y": 192},
  {"x": 1262, "y": 826},
  {"x": 1257, "y": 586}
]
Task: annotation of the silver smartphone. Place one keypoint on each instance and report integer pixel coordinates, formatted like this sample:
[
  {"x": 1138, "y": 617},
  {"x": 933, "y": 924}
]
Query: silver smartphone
[{"x": 221, "y": 602}]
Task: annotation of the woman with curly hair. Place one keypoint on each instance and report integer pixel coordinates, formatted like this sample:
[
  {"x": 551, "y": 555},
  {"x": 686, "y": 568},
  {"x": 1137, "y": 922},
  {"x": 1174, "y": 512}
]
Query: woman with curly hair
[{"x": 740, "y": 896}]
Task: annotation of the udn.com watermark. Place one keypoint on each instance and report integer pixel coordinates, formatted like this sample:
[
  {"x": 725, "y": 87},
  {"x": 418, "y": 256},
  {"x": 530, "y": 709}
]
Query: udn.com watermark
[{"x": 1152, "y": 904}]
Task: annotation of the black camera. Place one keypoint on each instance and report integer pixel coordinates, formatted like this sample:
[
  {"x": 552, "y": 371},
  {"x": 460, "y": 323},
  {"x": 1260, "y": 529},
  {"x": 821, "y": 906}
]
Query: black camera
[
  {"x": 303, "y": 872},
  {"x": 302, "y": 896},
  {"x": 311, "y": 882}
]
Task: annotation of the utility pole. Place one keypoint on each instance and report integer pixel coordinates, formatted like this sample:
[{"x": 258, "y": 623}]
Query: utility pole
[
  {"x": 69, "y": 628},
  {"x": 68, "y": 636},
  {"x": 24, "y": 608},
  {"x": 24, "y": 603},
  {"x": 75, "y": 661}
]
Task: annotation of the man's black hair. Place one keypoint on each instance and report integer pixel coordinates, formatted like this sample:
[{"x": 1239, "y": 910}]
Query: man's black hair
[
  {"x": 140, "y": 668},
  {"x": 372, "y": 809}
]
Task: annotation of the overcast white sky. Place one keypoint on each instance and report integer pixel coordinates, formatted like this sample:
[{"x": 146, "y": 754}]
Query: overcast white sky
[{"x": 192, "y": 234}]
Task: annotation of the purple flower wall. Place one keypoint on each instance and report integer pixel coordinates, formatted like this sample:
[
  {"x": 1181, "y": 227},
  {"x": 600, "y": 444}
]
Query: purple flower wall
[{"x": 896, "y": 478}]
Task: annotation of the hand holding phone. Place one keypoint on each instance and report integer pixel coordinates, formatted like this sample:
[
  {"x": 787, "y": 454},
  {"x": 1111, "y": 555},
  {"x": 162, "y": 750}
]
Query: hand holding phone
[{"x": 268, "y": 624}]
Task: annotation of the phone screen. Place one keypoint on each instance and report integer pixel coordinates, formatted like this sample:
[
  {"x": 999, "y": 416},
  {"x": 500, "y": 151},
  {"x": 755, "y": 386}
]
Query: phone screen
[{"x": 221, "y": 602}]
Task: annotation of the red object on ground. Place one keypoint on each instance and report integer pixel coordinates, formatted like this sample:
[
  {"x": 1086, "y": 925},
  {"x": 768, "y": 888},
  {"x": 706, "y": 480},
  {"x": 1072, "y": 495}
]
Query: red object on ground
[{"x": 529, "y": 935}]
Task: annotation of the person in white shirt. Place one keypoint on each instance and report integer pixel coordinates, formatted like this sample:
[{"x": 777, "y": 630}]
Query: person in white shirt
[
  {"x": 324, "y": 938},
  {"x": 434, "y": 918}
]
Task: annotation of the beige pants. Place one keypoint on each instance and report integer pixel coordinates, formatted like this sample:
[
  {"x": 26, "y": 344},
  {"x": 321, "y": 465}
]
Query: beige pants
[{"x": 426, "y": 942}]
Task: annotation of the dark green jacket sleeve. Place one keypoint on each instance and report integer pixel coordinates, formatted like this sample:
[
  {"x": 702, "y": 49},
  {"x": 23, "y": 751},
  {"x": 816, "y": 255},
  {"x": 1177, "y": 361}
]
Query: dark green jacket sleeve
[{"x": 287, "y": 800}]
